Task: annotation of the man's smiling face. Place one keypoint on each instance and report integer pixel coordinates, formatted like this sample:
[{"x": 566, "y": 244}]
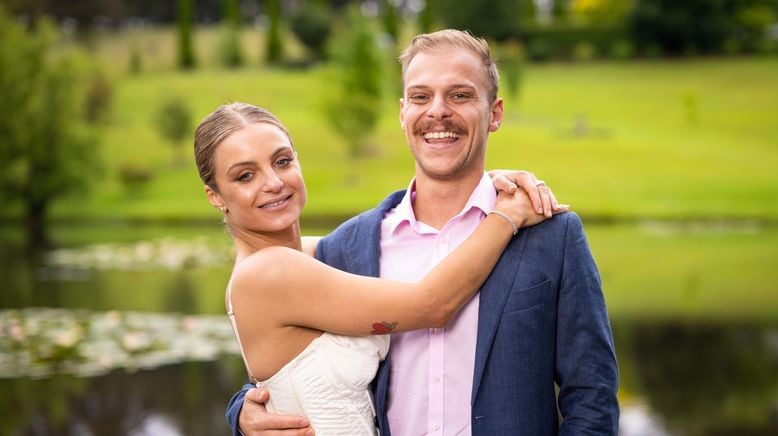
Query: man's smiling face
[{"x": 446, "y": 113}]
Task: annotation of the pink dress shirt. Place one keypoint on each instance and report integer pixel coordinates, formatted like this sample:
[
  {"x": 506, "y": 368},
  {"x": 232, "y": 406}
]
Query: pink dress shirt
[{"x": 431, "y": 379}]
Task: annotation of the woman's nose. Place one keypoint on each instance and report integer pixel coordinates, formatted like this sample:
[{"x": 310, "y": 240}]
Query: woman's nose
[{"x": 273, "y": 183}]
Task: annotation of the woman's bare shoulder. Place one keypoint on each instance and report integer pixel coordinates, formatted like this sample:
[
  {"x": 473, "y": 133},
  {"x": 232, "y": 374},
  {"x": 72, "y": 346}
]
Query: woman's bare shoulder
[{"x": 271, "y": 267}]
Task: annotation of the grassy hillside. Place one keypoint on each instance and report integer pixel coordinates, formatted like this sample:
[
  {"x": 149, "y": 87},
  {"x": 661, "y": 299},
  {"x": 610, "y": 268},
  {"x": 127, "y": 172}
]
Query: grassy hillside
[{"x": 681, "y": 139}]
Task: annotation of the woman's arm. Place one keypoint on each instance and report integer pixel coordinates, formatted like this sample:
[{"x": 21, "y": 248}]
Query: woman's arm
[{"x": 285, "y": 287}]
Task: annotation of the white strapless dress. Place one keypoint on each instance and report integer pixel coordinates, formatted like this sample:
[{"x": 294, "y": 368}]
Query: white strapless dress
[{"x": 329, "y": 383}]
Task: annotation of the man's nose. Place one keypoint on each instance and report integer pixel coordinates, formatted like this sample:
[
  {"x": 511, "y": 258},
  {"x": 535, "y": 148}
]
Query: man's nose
[{"x": 439, "y": 108}]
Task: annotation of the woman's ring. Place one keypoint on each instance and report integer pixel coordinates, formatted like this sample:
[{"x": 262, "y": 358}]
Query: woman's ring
[{"x": 540, "y": 182}]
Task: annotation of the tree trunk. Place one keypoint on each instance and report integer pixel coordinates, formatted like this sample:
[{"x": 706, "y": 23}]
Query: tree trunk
[{"x": 37, "y": 236}]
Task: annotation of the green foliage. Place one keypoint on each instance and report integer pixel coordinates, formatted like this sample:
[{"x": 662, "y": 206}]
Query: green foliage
[
  {"x": 98, "y": 98},
  {"x": 390, "y": 20},
  {"x": 427, "y": 17},
  {"x": 621, "y": 48},
  {"x": 492, "y": 19},
  {"x": 174, "y": 122},
  {"x": 313, "y": 25},
  {"x": 274, "y": 49},
  {"x": 230, "y": 50},
  {"x": 134, "y": 177},
  {"x": 136, "y": 60},
  {"x": 528, "y": 11},
  {"x": 47, "y": 149},
  {"x": 565, "y": 40},
  {"x": 601, "y": 11},
  {"x": 186, "y": 56},
  {"x": 701, "y": 26},
  {"x": 510, "y": 59},
  {"x": 355, "y": 104},
  {"x": 559, "y": 8}
]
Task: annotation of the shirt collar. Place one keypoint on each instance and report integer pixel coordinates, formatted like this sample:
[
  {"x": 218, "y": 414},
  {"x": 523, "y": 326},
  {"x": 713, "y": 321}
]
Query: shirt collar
[{"x": 482, "y": 198}]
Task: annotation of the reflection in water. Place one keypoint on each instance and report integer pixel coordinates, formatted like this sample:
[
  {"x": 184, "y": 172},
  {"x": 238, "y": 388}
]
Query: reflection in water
[
  {"x": 183, "y": 399},
  {"x": 118, "y": 307},
  {"x": 703, "y": 378},
  {"x": 677, "y": 378}
]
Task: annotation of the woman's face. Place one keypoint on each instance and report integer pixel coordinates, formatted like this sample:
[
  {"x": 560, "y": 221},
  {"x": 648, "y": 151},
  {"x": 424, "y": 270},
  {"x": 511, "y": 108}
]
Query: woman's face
[{"x": 259, "y": 180}]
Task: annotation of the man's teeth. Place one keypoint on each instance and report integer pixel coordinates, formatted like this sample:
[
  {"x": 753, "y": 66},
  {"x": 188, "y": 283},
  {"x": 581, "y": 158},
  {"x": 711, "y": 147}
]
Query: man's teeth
[{"x": 440, "y": 135}]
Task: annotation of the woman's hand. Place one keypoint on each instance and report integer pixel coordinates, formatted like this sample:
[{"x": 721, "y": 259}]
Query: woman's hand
[
  {"x": 540, "y": 195},
  {"x": 519, "y": 208}
]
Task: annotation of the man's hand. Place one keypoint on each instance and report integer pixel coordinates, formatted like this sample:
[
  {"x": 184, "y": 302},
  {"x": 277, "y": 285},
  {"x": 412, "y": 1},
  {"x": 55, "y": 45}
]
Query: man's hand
[
  {"x": 255, "y": 420},
  {"x": 543, "y": 200}
]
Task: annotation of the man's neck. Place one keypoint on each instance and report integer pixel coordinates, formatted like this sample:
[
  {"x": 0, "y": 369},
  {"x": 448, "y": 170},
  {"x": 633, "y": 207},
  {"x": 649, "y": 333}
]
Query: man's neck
[{"x": 437, "y": 201}]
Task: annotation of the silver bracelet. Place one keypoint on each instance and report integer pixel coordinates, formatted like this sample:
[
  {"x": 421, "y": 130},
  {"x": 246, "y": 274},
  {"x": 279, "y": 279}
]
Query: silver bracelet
[{"x": 507, "y": 218}]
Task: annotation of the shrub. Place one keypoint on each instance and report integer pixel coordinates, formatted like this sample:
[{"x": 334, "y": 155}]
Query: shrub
[
  {"x": 274, "y": 49},
  {"x": 568, "y": 40},
  {"x": 97, "y": 101},
  {"x": 174, "y": 122},
  {"x": 355, "y": 102},
  {"x": 134, "y": 177},
  {"x": 230, "y": 51},
  {"x": 312, "y": 25},
  {"x": 186, "y": 56}
]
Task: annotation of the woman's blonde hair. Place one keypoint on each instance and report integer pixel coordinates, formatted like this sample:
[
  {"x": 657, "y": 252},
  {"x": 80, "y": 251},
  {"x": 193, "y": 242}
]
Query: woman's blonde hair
[{"x": 221, "y": 123}]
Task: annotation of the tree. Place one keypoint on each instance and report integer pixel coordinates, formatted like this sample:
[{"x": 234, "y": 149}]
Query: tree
[
  {"x": 48, "y": 149},
  {"x": 230, "y": 50},
  {"x": 701, "y": 26},
  {"x": 174, "y": 122},
  {"x": 390, "y": 20},
  {"x": 186, "y": 56},
  {"x": 491, "y": 19},
  {"x": 312, "y": 25},
  {"x": 354, "y": 106},
  {"x": 274, "y": 45},
  {"x": 427, "y": 16},
  {"x": 510, "y": 56}
]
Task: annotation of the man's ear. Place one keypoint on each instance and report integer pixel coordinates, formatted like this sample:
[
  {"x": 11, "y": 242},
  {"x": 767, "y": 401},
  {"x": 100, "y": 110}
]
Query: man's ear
[
  {"x": 402, "y": 116},
  {"x": 498, "y": 110}
]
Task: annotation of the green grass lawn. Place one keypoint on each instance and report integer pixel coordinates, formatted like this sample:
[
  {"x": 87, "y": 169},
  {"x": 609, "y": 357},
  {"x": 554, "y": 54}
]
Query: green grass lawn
[{"x": 660, "y": 139}]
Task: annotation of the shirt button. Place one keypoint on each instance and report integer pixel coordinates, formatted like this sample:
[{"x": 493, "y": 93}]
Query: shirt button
[
  {"x": 436, "y": 379},
  {"x": 436, "y": 330},
  {"x": 435, "y": 427}
]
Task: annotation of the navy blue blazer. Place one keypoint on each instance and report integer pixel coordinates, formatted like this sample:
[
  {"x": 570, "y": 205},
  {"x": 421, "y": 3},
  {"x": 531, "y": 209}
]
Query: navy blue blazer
[{"x": 541, "y": 323}]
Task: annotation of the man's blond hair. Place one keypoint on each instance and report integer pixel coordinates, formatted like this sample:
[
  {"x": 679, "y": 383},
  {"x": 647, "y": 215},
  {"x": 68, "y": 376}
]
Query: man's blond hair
[{"x": 428, "y": 42}]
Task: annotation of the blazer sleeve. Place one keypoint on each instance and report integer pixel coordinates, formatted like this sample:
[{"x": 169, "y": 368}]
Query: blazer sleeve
[
  {"x": 233, "y": 408},
  {"x": 586, "y": 369}
]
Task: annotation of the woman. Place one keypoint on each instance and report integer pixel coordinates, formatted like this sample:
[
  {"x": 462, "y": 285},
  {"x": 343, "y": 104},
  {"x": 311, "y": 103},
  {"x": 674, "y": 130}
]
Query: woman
[{"x": 310, "y": 333}]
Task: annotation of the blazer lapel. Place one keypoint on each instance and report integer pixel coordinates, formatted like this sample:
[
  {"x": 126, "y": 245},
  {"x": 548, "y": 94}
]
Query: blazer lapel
[
  {"x": 494, "y": 293},
  {"x": 364, "y": 244}
]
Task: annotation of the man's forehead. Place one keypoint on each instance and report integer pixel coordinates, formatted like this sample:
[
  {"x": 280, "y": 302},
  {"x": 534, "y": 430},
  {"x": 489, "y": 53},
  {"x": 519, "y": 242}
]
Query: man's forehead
[{"x": 456, "y": 67}]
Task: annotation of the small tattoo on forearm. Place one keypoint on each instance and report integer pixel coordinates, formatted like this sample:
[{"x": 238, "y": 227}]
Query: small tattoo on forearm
[{"x": 383, "y": 327}]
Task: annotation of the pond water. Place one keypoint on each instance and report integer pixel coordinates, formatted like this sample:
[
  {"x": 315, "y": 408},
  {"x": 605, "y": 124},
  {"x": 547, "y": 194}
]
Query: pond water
[{"x": 128, "y": 337}]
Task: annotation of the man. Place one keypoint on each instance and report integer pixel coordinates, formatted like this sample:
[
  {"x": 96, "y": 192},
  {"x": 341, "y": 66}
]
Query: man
[{"x": 538, "y": 323}]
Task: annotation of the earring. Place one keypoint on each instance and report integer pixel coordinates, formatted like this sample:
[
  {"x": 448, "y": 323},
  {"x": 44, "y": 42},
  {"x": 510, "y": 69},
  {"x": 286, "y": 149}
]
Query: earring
[{"x": 222, "y": 208}]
